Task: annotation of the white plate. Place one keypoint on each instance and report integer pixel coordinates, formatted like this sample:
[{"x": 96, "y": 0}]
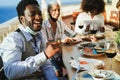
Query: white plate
[
  {"x": 97, "y": 75},
  {"x": 92, "y": 64},
  {"x": 74, "y": 63}
]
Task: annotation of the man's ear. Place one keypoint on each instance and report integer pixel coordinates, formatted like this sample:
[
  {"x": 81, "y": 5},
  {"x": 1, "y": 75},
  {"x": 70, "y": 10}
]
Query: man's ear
[{"x": 22, "y": 19}]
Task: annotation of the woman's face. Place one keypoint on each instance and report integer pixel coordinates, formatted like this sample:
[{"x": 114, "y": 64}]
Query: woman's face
[
  {"x": 32, "y": 17},
  {"x": 93, "y": 12},
  {"x": 54, "y": 12}
]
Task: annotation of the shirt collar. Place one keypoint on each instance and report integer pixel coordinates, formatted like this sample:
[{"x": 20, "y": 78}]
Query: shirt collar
[{"x": 26, "y": 34}]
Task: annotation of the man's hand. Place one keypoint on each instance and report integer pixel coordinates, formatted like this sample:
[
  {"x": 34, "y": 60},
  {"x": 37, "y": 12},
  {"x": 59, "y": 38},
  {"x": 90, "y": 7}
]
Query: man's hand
[{"x": 52, "y": 49}]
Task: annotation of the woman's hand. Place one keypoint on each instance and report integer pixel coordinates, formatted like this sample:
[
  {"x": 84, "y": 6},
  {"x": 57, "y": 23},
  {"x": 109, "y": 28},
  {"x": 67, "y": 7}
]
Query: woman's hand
[
  {"x": 87, "y": 28},
  {"x": 102, "y": 29},
  {"x": 68, "y": 40},
  {"x": 93, "y": 38}
]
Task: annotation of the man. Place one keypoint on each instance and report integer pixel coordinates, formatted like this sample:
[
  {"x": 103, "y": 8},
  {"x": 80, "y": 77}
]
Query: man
[{"x": 23, "y": 51}]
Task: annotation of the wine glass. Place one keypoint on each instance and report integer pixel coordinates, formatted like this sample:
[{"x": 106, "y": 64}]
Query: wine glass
[{"x": 110, "y": 51}]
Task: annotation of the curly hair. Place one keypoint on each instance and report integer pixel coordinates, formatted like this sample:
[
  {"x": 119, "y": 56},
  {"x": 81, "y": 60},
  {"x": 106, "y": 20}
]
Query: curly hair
[
  {"x": 118, "y": 4},
  {"x": 91, "y": 5},
  {"x": 22, "y": 5}
]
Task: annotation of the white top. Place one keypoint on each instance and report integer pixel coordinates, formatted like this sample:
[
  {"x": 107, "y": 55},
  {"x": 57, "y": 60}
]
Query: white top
[{"x": 85, "y": 19}]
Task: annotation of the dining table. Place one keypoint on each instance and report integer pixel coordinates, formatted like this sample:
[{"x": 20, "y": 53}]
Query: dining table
[{"x": 73, "y": 51}]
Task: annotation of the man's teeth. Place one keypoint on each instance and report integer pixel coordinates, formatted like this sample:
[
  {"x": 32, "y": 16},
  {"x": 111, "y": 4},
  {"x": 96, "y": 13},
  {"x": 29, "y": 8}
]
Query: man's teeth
[{"x": 37, "y": 22}]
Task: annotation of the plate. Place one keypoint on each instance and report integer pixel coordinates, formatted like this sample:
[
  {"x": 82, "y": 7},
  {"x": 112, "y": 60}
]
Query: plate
[
  {"x": 98, "y": 75},
  {"x": 91, "y": 53},
  {"x": 86, "y": 63},
  {"x": 88, "y": 44}
]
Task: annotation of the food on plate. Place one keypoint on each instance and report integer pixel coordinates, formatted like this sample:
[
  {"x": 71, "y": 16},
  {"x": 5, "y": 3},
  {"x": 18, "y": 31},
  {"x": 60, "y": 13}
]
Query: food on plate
[
  {"x": 100, "y": 36},
  {"x": 88, "y": 44},
  {"x": 86, "y": 39},
  {"x": 87, "y": 49},
  {"x": 83, "y": 62}
]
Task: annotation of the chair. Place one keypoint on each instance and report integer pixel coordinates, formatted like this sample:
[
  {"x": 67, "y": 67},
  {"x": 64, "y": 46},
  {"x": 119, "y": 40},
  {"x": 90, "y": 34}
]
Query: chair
[{"x": 2, "y": 76}]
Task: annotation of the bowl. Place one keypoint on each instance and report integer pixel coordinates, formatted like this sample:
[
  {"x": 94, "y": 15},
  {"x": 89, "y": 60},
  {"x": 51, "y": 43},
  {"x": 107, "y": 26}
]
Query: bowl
[
  {"x": 98, "y": 48},
  {"x": 99, "y": 51}
]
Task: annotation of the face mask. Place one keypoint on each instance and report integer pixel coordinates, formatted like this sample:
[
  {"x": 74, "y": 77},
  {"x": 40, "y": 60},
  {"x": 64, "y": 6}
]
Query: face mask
[
  {"x": 53, "y": 19},
  {"x": 31, "y": 31}
]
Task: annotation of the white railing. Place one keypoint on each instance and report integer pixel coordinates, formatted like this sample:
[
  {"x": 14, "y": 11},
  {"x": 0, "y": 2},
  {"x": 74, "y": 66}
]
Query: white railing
[
  {"x": 11, "y": 25},
  {"x": 7, "y": 27}
]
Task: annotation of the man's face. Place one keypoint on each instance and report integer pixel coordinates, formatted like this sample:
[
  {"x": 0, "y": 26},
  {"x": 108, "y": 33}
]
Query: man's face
[
  {"x": 32, "y": 17},
  {"x": 55, "y": 11}
]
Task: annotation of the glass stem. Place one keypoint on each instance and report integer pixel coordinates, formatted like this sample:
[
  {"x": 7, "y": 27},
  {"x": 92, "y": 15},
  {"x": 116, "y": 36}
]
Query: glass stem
[{"x": 110, "y": 63}]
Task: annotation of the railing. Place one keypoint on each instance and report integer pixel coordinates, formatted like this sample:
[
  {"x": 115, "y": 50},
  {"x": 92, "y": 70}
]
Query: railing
[{"x": 8, "y": 27}]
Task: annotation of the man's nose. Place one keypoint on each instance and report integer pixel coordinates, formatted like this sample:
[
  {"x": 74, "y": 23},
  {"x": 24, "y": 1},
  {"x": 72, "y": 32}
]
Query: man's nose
[{"x": 37, "y": 16}]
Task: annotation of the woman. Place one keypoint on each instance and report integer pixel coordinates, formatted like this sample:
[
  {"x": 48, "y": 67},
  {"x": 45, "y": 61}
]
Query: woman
[
  {"x": 54, "y": 29},
  {"x": 90, "y": 20}
]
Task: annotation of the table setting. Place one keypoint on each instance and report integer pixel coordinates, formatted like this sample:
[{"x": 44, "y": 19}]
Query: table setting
[{"x": 90, "y": 56}]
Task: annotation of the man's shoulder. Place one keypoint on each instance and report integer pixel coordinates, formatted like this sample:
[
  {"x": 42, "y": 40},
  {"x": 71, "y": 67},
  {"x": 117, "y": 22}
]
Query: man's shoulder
[{"x": 14, "y": 35}]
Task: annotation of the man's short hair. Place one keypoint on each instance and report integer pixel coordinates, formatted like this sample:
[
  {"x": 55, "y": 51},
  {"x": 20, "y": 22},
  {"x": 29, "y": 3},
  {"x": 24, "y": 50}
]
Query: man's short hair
[{"x": 22, "y": 5}]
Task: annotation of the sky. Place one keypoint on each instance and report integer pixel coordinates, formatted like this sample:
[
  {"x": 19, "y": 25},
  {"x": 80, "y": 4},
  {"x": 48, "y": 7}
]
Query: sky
[
  {"x": 15, "y": 2},
  {"x": 9, "y": 2}
]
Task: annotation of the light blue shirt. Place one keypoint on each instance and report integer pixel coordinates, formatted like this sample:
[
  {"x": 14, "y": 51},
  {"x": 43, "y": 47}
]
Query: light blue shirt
[{"x": 11, "y": 50}]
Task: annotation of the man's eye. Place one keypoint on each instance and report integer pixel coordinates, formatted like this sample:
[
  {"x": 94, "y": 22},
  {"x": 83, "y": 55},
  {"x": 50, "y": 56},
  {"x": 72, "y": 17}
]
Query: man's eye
[{"x": 32, "y": 14}]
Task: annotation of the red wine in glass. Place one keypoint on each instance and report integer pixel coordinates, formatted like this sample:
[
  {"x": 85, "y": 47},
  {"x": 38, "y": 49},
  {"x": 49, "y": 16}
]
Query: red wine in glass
[
  {"x": 80, "y": 26},
  {"x": 93, "y": 31},
  {"x": 110, "y": 54}
]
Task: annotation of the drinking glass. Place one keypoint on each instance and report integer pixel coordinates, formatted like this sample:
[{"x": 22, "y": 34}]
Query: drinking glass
[{"x": 110, "y": 51}]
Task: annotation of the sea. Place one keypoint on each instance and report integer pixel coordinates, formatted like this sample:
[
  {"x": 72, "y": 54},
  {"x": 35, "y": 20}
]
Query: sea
[{"x": 7, "y": 13}]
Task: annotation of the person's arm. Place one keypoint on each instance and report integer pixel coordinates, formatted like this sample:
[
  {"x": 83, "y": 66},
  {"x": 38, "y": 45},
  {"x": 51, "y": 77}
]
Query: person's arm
[
  {"x": 100, "y": 18},
  {"x": 11, "y": 49},
  {"x": 67, "y": 30}
]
